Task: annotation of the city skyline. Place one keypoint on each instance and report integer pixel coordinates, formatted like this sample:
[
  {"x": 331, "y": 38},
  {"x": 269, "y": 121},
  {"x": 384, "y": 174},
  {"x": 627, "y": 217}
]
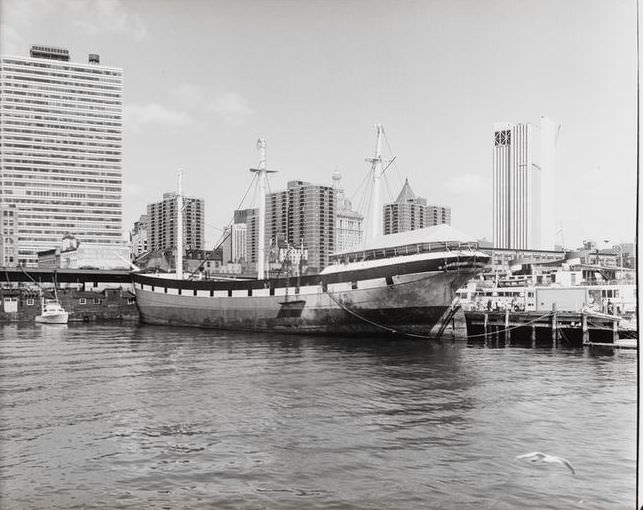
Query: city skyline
[{"x": 317, "y": 77}]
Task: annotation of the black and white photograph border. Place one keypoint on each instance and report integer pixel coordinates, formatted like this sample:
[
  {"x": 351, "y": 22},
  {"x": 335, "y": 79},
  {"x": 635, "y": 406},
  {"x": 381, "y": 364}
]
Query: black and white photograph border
[{"x": 324, "y": 254}]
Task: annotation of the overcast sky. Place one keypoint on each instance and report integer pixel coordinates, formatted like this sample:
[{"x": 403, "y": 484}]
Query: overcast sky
[{"x": 204, "y": 79}]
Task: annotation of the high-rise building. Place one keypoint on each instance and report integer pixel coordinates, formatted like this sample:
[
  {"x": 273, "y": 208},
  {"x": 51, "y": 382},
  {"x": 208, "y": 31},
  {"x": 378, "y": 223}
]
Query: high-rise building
[
  {"x": 349, "y": 230},
  {"x": 161, "y": 226},
  {"x": 304, "y": 217},
  {"x": 437, "y": 215},
  {"x": 61, "y": 143},
  {"x": 519, "y": 150},
  {"x": 9, "y": 235},
  {"x": 408, "y": 212},
  {"x": 138, "y": 237}
]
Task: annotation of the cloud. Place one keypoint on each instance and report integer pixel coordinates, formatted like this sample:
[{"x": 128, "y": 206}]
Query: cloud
[
  {"x": 189, "y": 95},
  {"x": 467, "y": 184},
  {"x": 107, "y": 16},
  {"x": 136, "y": 116},
  {"x": 230, "y": 107},
  {"x": 94, "y": 17}
]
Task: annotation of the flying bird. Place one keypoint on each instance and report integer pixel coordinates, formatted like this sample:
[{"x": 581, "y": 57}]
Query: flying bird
[{"x": 539, "y": 458}]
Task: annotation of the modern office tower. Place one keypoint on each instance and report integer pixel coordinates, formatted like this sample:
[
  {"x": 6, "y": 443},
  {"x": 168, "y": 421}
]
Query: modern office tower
[
  {"x": 244, "y": 236},
  {"x": 349, "y": 230},
  {"x": 437, "y": 215},
  {"x": 408, "y": 212},
  {"x": 161, "y": 227},
  {"x": 303, "y": 216},
  {"x": 138, "y": 237},
  {"x": 61, "y": 139},
  {"x": 517, "y": 185}
]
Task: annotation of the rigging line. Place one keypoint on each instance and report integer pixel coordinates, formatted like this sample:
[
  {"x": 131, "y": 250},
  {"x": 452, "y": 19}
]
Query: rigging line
[
  {"x": 359, "y": 187},
  {"x": 224, "y": 230},
  {"x": 388, "y": 145}
]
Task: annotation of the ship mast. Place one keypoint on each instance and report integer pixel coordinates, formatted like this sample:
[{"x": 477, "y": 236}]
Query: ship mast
[
  {"x": 376, "y": 173},
  {"x": 262, "y": 172},
  {"x": 179, "y": 225}
]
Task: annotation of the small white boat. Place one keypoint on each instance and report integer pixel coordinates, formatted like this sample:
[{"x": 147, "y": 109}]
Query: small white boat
[{"x": 52, "y": 313}]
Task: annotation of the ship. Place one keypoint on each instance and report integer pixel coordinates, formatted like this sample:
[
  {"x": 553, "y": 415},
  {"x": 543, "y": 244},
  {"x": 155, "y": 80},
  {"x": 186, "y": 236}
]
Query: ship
[{"x": 397, "y": 284}]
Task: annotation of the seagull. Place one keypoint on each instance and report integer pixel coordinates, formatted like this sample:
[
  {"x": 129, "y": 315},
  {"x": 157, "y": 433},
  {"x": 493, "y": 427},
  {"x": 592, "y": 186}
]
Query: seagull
[{"x": 538, "y": 458}]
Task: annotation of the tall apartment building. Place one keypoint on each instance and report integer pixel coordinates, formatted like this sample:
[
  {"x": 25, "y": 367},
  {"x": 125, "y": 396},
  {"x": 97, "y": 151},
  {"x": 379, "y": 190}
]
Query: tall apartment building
[
  {"x": 304, "y": 214},
  {"x": 437, "y": 215},
  {"x": 61, "y": 144},
  {"x": 162, "y": 226},
  {"x": 349, "y": 224},
  {"x": 410, "y": 212},
  {"x": 516, "y": 186}
]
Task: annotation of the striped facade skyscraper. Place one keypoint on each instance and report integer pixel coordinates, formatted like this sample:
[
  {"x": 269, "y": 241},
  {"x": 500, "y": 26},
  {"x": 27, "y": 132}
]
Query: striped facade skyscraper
[
  {"x": 516, "y": 186},
  {"x": 61, "y": 146}
]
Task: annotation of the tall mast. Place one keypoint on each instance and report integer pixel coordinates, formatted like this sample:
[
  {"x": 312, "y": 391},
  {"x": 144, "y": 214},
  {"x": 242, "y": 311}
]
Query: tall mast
[
  {"x": 179, "y": 226},
  {"x": 262, "y": 171},
  {"x": 376, "y": 173}
]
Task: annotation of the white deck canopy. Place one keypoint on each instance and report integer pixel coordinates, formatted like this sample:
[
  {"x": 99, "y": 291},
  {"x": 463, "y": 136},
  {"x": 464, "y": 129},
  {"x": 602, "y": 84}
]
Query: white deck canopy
[{"x": 438, "y": 234}]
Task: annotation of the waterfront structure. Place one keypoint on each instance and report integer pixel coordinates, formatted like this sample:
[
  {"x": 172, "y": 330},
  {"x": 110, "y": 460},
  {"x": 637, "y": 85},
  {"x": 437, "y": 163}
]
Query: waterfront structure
[
  {"x": 349, "y": 230},
  {"x": 138, "y": 237},
  {"x": 75, "y": 254},
  {"x": 304, "y": 217},
  {"x": 162, "y": 226},
  {"x": 61, "y": 138}
]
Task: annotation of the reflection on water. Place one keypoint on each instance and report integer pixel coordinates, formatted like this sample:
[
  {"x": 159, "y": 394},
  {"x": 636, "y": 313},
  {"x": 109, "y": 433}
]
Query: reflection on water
[{"x": 152, "y": 417}]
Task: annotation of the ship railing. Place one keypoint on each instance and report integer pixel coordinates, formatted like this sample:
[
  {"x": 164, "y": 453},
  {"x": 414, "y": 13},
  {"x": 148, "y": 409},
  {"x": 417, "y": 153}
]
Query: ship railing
[{"x": 408, "y": 249}]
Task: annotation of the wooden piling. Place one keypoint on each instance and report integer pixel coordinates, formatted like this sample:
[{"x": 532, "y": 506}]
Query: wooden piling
[
  {"x": 507, "y": 330},
  {"x": 614, "y": 331},
  {"x": 554, "y": 325}
]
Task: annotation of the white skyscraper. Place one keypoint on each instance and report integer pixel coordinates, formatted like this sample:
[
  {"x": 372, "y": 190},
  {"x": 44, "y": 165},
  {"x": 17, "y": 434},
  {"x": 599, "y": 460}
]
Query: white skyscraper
[
  {"x": 516, "y": 186},
  {"x": 61, "y": 143}
]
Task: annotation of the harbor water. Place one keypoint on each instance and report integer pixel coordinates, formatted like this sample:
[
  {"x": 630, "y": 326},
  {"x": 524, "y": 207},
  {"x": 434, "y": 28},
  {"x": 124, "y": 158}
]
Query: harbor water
[{"x": 152, "y": 417}]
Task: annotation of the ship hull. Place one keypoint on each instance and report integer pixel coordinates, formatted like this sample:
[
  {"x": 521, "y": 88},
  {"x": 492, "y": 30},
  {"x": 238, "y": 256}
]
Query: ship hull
[{"x": 398, "y": 299}]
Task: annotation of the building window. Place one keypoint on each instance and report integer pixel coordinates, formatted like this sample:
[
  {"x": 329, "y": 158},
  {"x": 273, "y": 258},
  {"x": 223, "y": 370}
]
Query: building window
[
  {"x": 96, "y": 301},
  {"x": 82, "y": 301},
  {"x": 30, "y": 302}
]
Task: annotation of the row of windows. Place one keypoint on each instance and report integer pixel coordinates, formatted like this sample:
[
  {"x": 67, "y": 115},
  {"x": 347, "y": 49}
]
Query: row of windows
[
  {"x": 68, "y": 173},
  {"x": 62, "y": 164},
  {"x": 54, "y": 144},
  {"x": 81, "y": 122},
  {"x": 85, "y": 70},
  {"x": 71, "y": 79},
  {"x": 32, "y": 88},
  {"x": 103, "y": 114},
  {"x": 56, "y": 133},
  {"x": 33, "y": 97}
]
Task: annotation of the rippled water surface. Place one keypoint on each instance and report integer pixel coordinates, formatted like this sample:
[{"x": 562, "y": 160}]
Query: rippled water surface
[{"x": 153, "y": 417}]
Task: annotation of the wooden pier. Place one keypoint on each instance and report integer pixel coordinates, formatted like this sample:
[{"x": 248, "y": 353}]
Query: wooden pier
[{"x": 572, "y": 329}]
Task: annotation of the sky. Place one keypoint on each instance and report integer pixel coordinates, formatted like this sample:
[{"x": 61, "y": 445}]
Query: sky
[{"x": 204, "y": 79}]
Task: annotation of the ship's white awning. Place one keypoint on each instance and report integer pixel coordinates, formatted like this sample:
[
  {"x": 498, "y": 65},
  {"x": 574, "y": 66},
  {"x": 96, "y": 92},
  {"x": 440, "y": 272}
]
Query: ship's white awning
[{"x": 438, "y": 234}]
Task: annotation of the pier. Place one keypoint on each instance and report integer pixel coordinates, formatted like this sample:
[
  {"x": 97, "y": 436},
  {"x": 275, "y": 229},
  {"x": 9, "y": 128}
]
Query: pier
[{"x": 556, "y": 328}]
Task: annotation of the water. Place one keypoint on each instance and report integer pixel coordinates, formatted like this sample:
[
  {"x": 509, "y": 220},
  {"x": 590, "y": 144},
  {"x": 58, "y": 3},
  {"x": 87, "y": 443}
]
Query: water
[{"x": 152, "y": 417}]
